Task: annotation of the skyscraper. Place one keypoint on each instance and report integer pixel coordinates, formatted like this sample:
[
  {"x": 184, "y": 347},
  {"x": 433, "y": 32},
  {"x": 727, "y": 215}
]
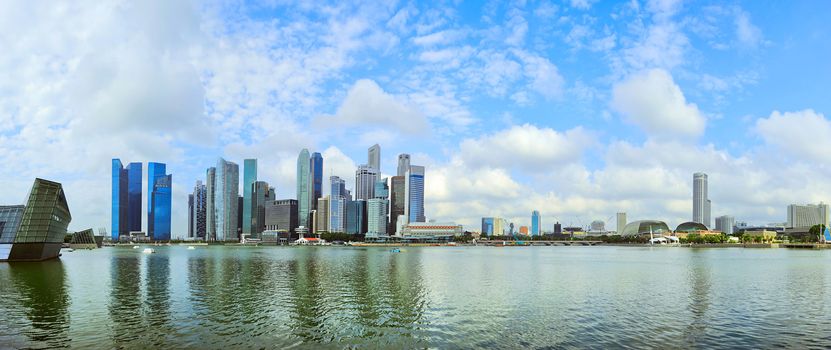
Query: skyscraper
[
  {"x": 701, "y": 203},
  {"x": 159, "y": 197},
  {"x": 316, "y": 168},
  {"x": 281, "y": 215},
  {"x": 261, "y": 195},
  {"x": 377, "y": 210},
  {"x": 536, "y": 225},
  {"x": 487, "y": 226},
  {"x": 621, "y": 222},
  {"x": 374, "y": 158},
  {"x": 322, "y": 224},
  {"x": 397, "y": 201},
  {"x": 248, "y": 210},
  {"x": 198, "y": 211},
  {"x": 414, "y": 206},
  {"x": 365, "y": 178},
  {"x": 190, "y": 216},
  {"x": 807, "y": 215},
  {"x": 210, "y": 204},
  {"x": 226, "y": 203},
  {"x": 126, "y": 198},
  {"x": 725, "y": 224},
  {"x": 403, "y": 164},
  {"x": 304, "y": 188},
  {"x": 337, "y": 204},
  {"x": 354, "y": 218}
]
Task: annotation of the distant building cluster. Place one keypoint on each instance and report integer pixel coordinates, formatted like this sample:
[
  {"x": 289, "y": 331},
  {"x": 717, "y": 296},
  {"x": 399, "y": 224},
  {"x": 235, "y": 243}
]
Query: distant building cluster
[{"x": 380, "y": 208}]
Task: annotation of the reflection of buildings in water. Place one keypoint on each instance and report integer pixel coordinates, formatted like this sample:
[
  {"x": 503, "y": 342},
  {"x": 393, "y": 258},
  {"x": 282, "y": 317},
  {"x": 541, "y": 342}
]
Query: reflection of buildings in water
[
  {"x": 699, "y": 285},
  {"x": 125, "y": 302},
  {"x": 44, "y": 300},
  {"x": 406, "y": 290},
  {"x": 157, "y": 275},
  {"x": 307, "y": 300}
]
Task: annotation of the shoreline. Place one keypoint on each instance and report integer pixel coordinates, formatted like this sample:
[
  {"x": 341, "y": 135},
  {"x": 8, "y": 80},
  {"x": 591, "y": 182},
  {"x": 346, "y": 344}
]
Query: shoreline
[{"x": 526, "y": 244}]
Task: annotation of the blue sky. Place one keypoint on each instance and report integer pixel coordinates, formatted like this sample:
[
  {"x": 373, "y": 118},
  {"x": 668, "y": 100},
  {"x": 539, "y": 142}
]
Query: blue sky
[{"x": 579, "y": 109}]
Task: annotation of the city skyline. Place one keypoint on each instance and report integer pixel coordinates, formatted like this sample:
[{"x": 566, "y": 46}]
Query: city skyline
[{"x": 512, "y": 107}]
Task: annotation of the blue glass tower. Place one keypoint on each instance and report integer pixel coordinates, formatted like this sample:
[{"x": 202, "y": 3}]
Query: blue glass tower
[
  {"x": 126, "y": 198},
  {"x": 487, "y": 226},
  {"x": 535, "y": 223},
  {"x": 159, "y": 190},
  {"x": 316, "y": 168},
  {"x": 414, "y": 207},
  {"x": 248, "y": 205}
]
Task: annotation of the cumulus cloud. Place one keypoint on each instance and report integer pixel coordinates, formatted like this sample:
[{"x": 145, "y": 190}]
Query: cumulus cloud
[
  {"x": 653, "y": 101},
  {"x": 802, "y": 134},
  {"x": 526, "y": 146},
  {"x": 367, "y": 105}
]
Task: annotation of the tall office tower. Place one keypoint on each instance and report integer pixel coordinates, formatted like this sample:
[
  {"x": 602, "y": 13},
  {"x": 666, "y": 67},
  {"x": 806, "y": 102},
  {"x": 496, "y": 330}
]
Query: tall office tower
[
  {"x": 159, "y": 197},
  {"x": 725, "y": 224},
  {"x": 126, "y": 198},
  {"x": 322, "y": 215},
  {"x": 198, "y": 212},
  {"x": 316, "y": 168},
  {"x": 536, "y": 225},
  {"x": 403, "y": 164},
  {"x": 414, "y": 206},
  {"x": 191, "y": 229},
  {"x": 707, "y": 219},
  {"x": 281, "y": 215},
  {"x": 374, "y": 158},
  {"x": 365, "y": 178},
  {"x": 558, "y": 228},
  {"x": 701, "y": 205},
  {"x": 382, "y": 190},
  {"x": 807, "y": 215},
  {"x": 397, "y": 201},
  {"x": 376, "y": 214},
  {"x": 210, "y": 204},
  {"x": 239, "y": 215},
  {"x": 487, "y": 226},
  {"x": 262, "y": 194},
  {"x": 621, "y": 222},
  {"x": 249, "y": 177},
  {"x": 355, "y": 217},
  {"x": 337, "y": 202},
  {"x": 304, "y": 187},
  {"x": 226, "y": 203}
]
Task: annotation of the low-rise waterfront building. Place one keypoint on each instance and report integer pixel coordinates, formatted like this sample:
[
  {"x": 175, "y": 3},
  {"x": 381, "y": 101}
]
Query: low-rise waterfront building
[
  {"x": 646, "y": 227},
  {"x": 36, "y": 231}
]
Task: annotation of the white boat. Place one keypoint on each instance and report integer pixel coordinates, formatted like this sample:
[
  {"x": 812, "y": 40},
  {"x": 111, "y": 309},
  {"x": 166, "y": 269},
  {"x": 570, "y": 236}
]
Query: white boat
[
  {"x": 191, "y": 247},
  {"x": 135, "y": 247},
  {"x": 148, "y": 251}
]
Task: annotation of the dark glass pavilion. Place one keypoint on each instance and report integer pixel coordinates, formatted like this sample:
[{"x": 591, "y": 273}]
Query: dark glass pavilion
[{"x": 36, "y": 231}]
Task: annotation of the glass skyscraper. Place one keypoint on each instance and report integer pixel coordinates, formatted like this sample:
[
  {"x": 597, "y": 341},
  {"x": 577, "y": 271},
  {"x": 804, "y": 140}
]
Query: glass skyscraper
[
  {"x": 397, "y": 201},
  {"x": 337, "y": 204},
  {"x": 159, "y": 192},
  {"x": 126, "y": 198},
  {"x": 535, "y": 223},
  {"x": 248, "y": 179},
  {"x": 304, "y": 188},
  {"x": 316, "y": 168},
  {"x": 210, "y": 204},
  {"x": 414, "y": 208},
  {"x": 226, "y": 202}
]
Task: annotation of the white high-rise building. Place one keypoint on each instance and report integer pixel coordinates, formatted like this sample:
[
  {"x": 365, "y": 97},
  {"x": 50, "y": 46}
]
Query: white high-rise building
[
  {"x": 725, "y": 224},
  {"x": 621, "y": 222},
  {"x": 701, "y": 201},
  {"x": 807, "y": 215},
  {"x": 403, "y": 164},
  {"x": 365, "y": 178},
  {"x": 374, "y": 158},
  {"x": 376, "y": 213}
]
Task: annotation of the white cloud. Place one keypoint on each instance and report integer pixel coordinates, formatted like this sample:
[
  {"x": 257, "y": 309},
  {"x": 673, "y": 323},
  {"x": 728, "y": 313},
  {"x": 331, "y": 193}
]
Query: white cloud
[
  {"x": 653, "y": 101},
  {"x": 582, "y": 4},
  {"x": 544, "y": 75},
  {"x": 367, "y": 105},
  {"x": 527, "y": 147},
  {"x": 747, "y": 33},
  {"x": 802, "y": 134}
]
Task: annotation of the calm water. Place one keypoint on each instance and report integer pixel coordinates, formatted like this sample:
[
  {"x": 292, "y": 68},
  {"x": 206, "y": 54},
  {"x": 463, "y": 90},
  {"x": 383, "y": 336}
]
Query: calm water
[{"x": 462, "y": 297}]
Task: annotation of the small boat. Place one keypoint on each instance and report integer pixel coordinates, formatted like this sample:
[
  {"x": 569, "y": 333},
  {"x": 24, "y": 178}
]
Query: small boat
[
  {"x": 148, "y": 251},
  {"x": 396, "y": 250},
  {"x": 191, "y": 247},
  {"x": 135, "y": 247}
]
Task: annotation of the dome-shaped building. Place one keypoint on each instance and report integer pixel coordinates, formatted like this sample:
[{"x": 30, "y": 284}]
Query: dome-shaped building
[
  {"x": 689, "y": 227},
  {"x": 645, "y": 227}
]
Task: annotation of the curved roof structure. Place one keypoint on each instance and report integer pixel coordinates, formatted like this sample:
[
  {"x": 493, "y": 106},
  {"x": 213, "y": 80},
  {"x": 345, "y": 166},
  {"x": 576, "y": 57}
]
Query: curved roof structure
[
  {"x": 691, "y": 227},
  {"x": 645, "y": 227}
]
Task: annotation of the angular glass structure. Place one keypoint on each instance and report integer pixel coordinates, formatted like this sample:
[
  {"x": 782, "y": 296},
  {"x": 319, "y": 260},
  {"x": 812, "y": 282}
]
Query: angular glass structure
[
  {"x": 249, "y": 178},
  {"x": 159, "y": 190},
  {"x": 35, "y": 232},
  {"x": 316, "y": 168}
]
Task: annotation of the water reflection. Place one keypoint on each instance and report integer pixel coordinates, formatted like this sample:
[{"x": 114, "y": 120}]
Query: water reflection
[
  {"x": 698, "y": 275},
  {"x": 44, "y": 300},
  {"x": 125, "y": 302},
  {"x": 157, "y": 301}
]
